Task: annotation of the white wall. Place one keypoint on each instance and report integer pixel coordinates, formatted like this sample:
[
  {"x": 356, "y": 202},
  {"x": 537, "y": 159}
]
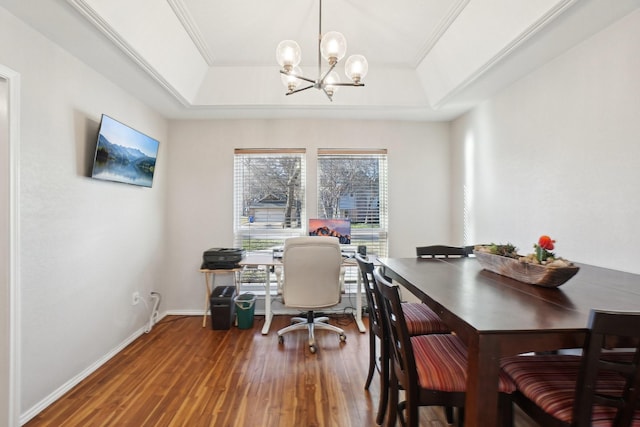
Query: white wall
[
  {"x": 558, "y": 153},
  {"x": 200, "y": 184},
  {"x": 86, "y": 245},
  {"x": 5, "y": 244}
]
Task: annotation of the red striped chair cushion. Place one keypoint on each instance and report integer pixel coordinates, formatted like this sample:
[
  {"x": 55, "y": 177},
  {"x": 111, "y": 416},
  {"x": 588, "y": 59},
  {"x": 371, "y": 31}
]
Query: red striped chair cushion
[
  {"x": 550, "y": 382},
  {"x": 422, "y": 320},
  {"x": 441, "y": 361}
]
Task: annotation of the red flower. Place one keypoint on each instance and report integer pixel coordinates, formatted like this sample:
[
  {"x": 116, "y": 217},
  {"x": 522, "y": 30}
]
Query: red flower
[{"x": 546, "y": 243}]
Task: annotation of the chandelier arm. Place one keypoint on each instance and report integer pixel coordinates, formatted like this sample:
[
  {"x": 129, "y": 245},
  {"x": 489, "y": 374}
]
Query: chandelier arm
[
  {"x": 321, "y": 80},
  {"x": 297, "y": 76},
  {"x": 347, "y": 84},
  {"x": 305, "y": 79},
  {"x": 299, "y": 90},
  {"x": 324, "y": 89}
]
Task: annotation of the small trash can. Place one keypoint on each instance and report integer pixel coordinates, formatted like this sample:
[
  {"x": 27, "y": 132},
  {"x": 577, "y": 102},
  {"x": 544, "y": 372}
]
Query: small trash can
[
  {"x": 245, "y": 307},
  {"x": 222, "y": 307}
]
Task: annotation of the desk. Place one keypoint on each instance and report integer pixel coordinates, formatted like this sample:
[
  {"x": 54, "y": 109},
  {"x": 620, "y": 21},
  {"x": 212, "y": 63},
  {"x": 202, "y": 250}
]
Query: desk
[
  {"x": 266, "y": 259},
  {"x": 498, "y": 316}
]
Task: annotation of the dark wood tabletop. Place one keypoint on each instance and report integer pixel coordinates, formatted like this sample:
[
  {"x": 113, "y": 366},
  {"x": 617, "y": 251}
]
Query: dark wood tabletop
[{"x": 499, "y": 316}]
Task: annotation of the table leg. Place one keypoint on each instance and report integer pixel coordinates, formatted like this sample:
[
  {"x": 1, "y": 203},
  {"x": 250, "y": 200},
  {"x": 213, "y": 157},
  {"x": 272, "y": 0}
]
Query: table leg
[
  {"x": 236, "y": 284},
  {"x": 481, "y": 403},
  {"x": 358, "y": 313},
  {"x": 268, "y": 316},
  {"x": 278, "y": 272},
  {"x": 237, "y": 280},
  {"x": 207, "y": 298}
]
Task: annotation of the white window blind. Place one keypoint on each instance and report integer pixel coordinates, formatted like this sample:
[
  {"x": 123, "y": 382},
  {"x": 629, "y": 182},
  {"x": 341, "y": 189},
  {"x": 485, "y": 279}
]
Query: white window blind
[
  {"x": 353, "y": 184},
  {"x": 269, "y": 188}
]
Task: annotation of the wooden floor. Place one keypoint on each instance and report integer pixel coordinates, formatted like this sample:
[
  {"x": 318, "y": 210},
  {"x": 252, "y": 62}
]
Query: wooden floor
[{"x": 181, "y": 374}]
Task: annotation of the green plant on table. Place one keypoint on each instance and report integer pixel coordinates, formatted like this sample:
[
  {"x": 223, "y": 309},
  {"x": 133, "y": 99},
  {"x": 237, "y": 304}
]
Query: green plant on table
[{"x": 506, "y": 250}]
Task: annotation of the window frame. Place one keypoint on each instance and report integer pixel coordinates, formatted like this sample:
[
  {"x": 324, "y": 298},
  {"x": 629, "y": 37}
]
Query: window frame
[
  {"x": 362, "y": 235},
  {"x": 243, "y": 228}
]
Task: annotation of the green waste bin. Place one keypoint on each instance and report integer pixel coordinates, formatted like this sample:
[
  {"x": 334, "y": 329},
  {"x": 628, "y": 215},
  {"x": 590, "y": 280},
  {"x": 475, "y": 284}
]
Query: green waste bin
[{"x": 245, "y": 307}]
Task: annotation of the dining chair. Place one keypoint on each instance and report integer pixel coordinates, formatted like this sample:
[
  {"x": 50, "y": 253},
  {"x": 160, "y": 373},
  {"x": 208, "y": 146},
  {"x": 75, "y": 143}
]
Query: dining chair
[
  {"x": 420, "y": 320},
  {"x": 441, "y": 251},
  {"x": 432, "y": 369},
  {"x": 599, "y": 388},
  {"x": 469, "y": 250}
]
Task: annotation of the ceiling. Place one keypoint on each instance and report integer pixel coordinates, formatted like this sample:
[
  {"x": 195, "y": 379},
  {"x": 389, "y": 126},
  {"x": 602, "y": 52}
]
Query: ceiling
[{"x": 428, "y": 59}]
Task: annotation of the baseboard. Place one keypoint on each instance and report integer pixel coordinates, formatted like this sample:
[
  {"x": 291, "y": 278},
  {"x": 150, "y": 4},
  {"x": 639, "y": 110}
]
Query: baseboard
[
  {"x": 346, "y": 306},
  {"x": 60, "y": 391}
]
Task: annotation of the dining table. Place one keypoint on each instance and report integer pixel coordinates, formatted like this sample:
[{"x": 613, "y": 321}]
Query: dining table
[{"x": 498, "y": 316}]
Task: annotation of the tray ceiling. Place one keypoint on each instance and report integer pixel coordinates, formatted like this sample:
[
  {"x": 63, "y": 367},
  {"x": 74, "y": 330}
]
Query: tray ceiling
[{"x": 428, "y": 59}]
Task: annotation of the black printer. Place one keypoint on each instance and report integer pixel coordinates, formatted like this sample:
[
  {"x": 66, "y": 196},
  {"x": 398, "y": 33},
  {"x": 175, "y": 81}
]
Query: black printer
[{"x": 222, "y": 258}]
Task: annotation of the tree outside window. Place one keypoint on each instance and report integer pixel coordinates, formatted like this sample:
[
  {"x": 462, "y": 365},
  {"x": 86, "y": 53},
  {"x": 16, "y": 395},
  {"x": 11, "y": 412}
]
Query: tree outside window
[
  {"x": 353, "y": 185},
  {"x": 269, "y": 197}
]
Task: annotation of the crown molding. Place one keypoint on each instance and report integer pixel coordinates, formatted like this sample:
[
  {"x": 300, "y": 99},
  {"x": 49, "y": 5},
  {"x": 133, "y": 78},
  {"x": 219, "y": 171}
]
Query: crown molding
[
  {"x": 534, "y": 28},
  {"x": 103, "y": 26},
  {"x": 192, "y": 30},
  {"x": 457, "y": 8}
]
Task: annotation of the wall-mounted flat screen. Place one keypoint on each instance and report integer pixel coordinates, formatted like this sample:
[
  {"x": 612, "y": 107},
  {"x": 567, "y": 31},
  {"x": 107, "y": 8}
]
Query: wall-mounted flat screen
[
  {"x": 340, "y": 228},
  {"x": 123, "y": 154}
]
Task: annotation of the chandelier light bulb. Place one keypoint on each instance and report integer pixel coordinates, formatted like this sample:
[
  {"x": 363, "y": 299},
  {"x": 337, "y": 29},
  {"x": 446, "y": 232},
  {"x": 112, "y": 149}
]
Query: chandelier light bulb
[
  {"x": 333, "y": 47},
  {"x": 356, "y": 68},
  {"x": 288, "y": 55},
  {"x": 329, "y": 82},
  {"x": 290, "y": 81}
]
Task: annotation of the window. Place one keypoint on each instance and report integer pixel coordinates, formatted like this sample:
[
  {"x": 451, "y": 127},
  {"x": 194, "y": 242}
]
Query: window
[
  {"x": 353, "y": 184},
  {"x": 269, "y": 188},
  {"x": 270, "y": 206}
]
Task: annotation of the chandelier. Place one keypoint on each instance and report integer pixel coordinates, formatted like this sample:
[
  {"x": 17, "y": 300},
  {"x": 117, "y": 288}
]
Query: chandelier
[{"x": 332, "y": 46}]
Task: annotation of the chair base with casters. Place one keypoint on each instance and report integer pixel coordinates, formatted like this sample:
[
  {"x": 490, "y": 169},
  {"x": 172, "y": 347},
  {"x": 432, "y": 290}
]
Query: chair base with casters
[{"x": 310, "y": 324}]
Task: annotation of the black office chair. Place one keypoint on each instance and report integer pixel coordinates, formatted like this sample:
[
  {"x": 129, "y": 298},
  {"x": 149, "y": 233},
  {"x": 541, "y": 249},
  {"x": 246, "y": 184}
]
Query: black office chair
[
  {"x": 420, "y": 320},
  {"x": 443, "y": 251}
]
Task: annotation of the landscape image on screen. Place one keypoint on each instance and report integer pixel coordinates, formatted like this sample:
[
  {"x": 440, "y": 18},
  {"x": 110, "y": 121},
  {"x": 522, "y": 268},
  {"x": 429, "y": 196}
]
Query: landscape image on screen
[
  {"x": 340, "y": 228},
  {"x": 123, "y": 154}
]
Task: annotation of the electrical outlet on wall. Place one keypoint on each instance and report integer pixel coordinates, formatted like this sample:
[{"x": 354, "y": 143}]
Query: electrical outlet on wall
[{"x": 135, "y": 298}]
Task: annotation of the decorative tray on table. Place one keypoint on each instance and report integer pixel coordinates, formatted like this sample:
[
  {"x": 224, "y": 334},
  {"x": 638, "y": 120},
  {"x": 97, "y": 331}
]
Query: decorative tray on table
[{"x": 525, "y": 269}]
